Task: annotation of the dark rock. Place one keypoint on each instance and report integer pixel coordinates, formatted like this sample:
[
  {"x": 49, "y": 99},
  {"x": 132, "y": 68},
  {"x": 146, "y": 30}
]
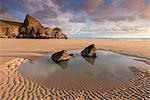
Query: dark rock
[
  {"x": 89, "y": 51},
  {"x": 72, "y": 55},
  {"x": 60, "y": 56},
  {"x": 58, "y": 33},
  {"x": 48, "y": 32},
  {"x": 30, "y": 28}
]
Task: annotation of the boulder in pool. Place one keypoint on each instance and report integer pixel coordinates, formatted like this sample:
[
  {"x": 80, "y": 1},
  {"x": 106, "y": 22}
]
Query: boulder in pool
[
  {"x": 61, "y": 56},
  {"x": 89, "y": 51}
]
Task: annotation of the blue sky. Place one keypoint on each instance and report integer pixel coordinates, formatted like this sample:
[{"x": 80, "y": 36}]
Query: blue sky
[{"x": 89, "y": 18}]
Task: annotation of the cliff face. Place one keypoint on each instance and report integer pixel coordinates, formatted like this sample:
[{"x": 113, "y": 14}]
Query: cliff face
[
  {"x": 9, "y": 29},
  {"x": 31, "y": 28}
]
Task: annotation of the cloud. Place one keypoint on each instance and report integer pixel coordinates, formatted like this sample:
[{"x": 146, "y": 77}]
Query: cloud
[
  {"x": 91, "y": 6},
  {"x": 97, "y": 10},
  {"x": 145, "y": 13},
  {"x": 134, "y": 4},
  {"x": 120, "y": 28},
  {"x": 101, "y": 10},
  {"x": 122, "y": 10},
  {"x": 139, "y": 8},
  {"x": 38, "y": 5},
  {"x": 78, "y": 19},
  {"x": 84, "y": 17},
  {"x": 7, "y": 16},
  {"x": 46, "y": 12},
  {"x": 5, "y": 13}
]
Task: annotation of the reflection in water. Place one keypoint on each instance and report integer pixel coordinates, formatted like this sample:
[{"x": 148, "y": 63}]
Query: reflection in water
[
  {"x": 90, "y": 60},
  {"x": 33, "y": 58},
  {"x": 108, "y": 70},
  {"x": 63, "y": 64}
]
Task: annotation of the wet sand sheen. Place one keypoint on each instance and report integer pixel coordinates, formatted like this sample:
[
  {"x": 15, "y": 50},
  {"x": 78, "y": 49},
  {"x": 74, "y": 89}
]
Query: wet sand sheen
[
  {"x": 15, "y": 86},
  {"x": 107, "y": 71}
]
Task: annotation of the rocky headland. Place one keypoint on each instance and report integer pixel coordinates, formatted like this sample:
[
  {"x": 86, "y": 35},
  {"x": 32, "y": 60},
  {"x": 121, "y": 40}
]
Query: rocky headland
[{"x": 30, "y": 28}]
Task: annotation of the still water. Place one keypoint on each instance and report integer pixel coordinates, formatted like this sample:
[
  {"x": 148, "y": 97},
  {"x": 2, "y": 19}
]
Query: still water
[{"x": 108, "y": 70}]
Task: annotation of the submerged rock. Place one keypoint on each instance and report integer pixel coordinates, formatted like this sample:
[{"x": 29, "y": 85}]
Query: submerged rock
[
  {"x": 89, "y": 51},
  {"x": 61, "y": 56}
]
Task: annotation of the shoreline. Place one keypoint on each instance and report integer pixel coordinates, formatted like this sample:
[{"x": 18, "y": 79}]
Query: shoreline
[
  {"x": 11, "y": 48},
  {"x": 146, "y": 58},
  {"x": 30, "y": 90},
  {"x": 14, "y": 86}
]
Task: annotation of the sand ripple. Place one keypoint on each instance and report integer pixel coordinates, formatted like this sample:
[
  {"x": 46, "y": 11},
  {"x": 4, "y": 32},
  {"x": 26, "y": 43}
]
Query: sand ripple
[{"x": 13, "y": 86}]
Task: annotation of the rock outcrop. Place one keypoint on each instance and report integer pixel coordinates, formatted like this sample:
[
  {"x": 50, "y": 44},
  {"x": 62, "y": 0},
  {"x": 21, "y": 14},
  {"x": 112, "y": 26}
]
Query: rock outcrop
[
  {"x": 31, "y": 28},
  {"x": 58, "y": 33},
  {"x": 9, "y": 29},
  {"x": 89, "y": 51},
  {"x": 61, "y": 56}
]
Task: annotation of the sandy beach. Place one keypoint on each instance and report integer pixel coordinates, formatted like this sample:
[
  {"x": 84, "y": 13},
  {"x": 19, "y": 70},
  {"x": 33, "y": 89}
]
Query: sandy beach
[{"x": 14, "y": 52}]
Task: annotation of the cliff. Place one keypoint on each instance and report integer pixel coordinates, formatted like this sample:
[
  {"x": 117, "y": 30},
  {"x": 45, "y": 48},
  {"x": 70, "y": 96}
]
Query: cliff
[
  {"x": 30, "y": 28},
  {"x": 9, "y": 29}
]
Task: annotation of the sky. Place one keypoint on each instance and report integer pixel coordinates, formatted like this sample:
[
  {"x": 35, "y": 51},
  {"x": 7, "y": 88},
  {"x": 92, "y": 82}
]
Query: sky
[{"x": 85, "y": 18}]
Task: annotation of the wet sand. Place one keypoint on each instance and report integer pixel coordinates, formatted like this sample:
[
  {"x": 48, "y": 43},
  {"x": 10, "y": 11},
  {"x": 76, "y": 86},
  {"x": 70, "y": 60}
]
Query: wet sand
[{"x": 13, "y": 52}]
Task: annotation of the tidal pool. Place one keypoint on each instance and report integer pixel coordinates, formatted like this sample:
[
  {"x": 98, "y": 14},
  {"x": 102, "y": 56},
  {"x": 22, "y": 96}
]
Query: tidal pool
[{"x": 108, "y": 70}]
